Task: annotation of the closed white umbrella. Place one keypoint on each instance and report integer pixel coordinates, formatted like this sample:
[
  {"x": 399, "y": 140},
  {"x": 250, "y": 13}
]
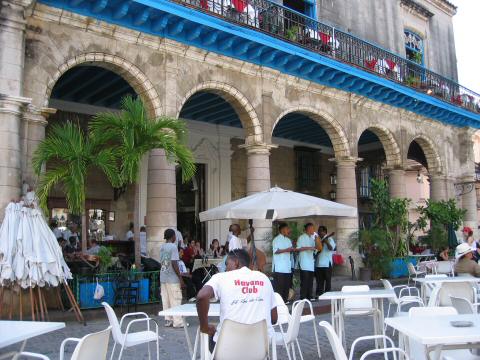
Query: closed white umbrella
[{"x": 277, "y": 203}]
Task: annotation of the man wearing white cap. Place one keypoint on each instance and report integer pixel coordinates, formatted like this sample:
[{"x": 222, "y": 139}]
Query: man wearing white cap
[{"x": 465, "y": 263}]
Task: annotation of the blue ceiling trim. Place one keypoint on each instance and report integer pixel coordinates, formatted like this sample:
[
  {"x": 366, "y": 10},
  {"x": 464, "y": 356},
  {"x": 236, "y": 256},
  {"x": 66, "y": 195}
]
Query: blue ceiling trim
[{"x": 183, "y": 24}]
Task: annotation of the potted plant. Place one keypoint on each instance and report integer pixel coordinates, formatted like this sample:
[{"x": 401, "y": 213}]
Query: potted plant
[{"x": 292, "y": 33}]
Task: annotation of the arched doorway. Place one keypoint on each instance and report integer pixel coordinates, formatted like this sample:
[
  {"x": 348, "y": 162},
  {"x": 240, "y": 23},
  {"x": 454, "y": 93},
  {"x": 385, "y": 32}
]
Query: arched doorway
[
  {"x": 78, "y": 94},
  {"x": 219, "y": 125}
]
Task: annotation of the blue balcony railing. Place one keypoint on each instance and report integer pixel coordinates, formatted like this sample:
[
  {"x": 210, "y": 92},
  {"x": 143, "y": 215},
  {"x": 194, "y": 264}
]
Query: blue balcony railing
[{"x": 289, "y": 25}]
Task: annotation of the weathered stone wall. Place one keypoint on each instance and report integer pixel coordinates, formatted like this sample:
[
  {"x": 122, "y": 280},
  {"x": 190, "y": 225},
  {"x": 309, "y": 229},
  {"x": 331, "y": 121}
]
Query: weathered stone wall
[
  {"x": 383, "y": 22},
  {"x": 166, "y": 73}
]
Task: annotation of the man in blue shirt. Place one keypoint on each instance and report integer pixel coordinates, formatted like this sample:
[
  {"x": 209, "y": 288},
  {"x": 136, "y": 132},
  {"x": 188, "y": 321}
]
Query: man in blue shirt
[
  {"x": 306, "y": 261},
  {"x": 282, "y": 264},
  {"x": 324, "y": 262}
]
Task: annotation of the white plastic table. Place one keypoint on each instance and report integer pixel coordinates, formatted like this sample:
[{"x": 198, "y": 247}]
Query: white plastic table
[
  {"x": 430, "y": 282},
  {"x": 17, "y": 331},
  {"x": 436, "y": 332},
  {"x": 190, "y": 310},
  {"x": 337, "y": 299}
]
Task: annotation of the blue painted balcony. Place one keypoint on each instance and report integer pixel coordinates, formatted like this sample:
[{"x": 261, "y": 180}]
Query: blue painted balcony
[{"x": 268, "y": 34}]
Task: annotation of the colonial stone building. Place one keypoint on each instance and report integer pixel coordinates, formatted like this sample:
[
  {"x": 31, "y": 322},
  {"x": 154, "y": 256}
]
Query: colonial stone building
[{"x": 286, "y": 94}]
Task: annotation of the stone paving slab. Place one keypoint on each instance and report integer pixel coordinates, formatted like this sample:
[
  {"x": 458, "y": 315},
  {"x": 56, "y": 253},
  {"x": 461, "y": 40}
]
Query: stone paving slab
[{"x": 173, "y": 346}]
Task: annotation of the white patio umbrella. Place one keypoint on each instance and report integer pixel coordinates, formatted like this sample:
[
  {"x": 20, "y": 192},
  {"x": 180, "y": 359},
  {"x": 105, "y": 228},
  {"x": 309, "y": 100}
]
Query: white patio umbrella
[{"x": 277, "y": 203}]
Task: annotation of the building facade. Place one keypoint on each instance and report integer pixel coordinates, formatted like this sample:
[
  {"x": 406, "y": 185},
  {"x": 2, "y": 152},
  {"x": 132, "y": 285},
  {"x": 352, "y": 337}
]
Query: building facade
[{"x": 270, "y": 95}]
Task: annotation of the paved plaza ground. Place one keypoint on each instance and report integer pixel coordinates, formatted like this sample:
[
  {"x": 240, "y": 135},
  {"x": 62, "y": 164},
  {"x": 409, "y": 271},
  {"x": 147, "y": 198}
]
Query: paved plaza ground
[{"x": 174, "y": 346}]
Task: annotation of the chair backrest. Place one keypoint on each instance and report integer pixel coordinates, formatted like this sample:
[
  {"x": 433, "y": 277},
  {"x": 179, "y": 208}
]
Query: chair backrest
[
  {"x": 458, "y": 289},
  {"x": 335, "y": 343},
  {"x": 432, "y": 311},
  {"x": 238, "y": 341},
  {"x": 294, "y": 323},
  {"x": 444, "y": 267},
  {"x": 357, "y": 304},
  {"x": 463, "y": 306},
  {"x": 282, "y": 310},
  {"x": 93, "y": 346},
  {"x": 411, "y": 269},
  {"x": 388, "y": 286},
  {"x": 112, "y": 319}
]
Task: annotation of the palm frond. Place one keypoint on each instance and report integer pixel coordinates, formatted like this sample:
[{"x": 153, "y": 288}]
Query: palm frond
[{"x": 48, "y": 180}]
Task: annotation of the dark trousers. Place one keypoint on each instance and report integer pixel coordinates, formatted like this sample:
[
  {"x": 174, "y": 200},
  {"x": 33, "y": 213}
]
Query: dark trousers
[
  {"x": 282, "y": 283},
  {"x": 306, "y": 284},
  {"x": 323, "y": 276}
]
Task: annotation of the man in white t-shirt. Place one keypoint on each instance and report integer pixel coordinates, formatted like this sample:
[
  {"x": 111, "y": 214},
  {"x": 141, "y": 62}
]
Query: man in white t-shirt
[
  {"x": 245, "y": 296},
  {"x": 235, "y": 242}
]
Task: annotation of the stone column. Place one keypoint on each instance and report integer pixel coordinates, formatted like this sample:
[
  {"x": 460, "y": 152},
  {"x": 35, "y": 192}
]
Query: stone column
[
  {"x": 161, "y": 200},
  {"x": 469, "y": 203},
  {"x": 34, "y": 123},
  {"x": 10, "y": 149},
  {"x": 438, "y": 188},
  {"x": 258, "y": 179},
  {"x": 347, "y": 227},
  {"x": 396, "y": 180}
]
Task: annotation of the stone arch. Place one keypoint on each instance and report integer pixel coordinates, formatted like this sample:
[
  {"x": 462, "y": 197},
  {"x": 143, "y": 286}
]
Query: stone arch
[
  {"x": 434, "y": 161},
  {"x": 390, "y": 145},
  {"x": 127, "y": 70},
  {"x": 331, "y": 126},
  {"x": 242, "y": 106}
]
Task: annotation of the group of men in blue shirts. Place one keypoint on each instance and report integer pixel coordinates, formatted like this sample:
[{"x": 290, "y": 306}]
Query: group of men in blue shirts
[{"x": 312, "y": 255}]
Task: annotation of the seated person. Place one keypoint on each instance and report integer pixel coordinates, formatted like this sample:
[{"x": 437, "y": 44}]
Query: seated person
[
  {"x": 443, "y": 255},
  {"x": 214, "y": 249},
  {"x": 94, "y": 248},
  {"x": 465, "y": 263},
  {"x": 240, "y": 301}
]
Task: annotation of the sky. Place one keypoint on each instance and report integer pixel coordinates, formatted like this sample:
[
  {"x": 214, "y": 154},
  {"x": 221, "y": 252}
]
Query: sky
[{"x": 466, "y": 28}]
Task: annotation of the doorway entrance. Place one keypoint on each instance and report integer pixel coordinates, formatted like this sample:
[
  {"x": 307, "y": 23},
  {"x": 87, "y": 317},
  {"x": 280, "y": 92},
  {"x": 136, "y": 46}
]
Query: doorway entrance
[{"x": 191, "y": 200}]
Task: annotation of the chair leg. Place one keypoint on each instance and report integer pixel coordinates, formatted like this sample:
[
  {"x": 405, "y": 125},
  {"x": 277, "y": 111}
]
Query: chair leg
[
  {"x": 113, "y": 350},
  {"x": 316, "y": 340},
  {"x": 299, "y": 350},
  {"x": 294, "y": 355},
  {"x": 287, "y": 346},
  {"x": 158, "y": 349},
  {"x": 121, "y": 353},
  {"x": 149, "y": 354}
]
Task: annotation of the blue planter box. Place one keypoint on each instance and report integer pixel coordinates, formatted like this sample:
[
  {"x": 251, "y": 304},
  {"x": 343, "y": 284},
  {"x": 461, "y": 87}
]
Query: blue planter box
[
  {"x": 399, "y": 267},
  {"x": 86, "y": 300}
]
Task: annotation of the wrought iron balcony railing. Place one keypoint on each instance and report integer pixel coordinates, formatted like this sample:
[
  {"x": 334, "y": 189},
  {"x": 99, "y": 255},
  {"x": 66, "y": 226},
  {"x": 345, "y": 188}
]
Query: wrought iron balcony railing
[{"x": 289, "y": 25}]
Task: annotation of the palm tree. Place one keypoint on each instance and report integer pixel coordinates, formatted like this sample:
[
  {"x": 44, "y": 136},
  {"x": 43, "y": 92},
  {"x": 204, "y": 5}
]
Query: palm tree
[
  {"x": 71, "y": 155},
  {"x": 133, "y": 134}
]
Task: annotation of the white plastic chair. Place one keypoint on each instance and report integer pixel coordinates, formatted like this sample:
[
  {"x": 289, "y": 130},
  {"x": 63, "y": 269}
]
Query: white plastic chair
[
  {"x": 401, "y": 300},
  {"x": 290, "y": 338},
  {"x": 412, "y": 272},
  {"x": 339, "y": 352},
  {"x": 428, "y": 287},
  {"x": 444, "y": 267},
  {"x": 91, "y": 346},
  {"x": 129, "y": 339},
  {"x": 282, "y": 311},
  {"x": 238, "y": 341},
  {"x": 357, "y": 307},
  {"x": 310, "y": 318},
  {"x": 458, "y": 289},
  {"x": 464, "y": 306}
]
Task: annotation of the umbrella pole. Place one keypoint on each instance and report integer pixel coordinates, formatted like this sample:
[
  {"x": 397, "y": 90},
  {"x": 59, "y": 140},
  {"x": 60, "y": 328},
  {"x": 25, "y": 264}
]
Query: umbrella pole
[
  {"x": 40, "y": 303},
  {"x": 32, "y": 303},
  {"x": 45, "y": 304},
  {"x": 21, "y": 305},
  {"x": 73, "y": 302},
  {"x": 252, "y": 240},
  {"x": 10, "y": 311},
  {"x": 1, "y": 301},
  {"x": 59, "y": 298}
]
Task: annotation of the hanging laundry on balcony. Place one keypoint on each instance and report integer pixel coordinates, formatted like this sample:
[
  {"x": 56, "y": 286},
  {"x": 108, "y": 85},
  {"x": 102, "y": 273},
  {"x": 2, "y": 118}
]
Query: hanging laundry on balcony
[
  {"x": 370, "y": 64},
  {"x": 252, "y": 15},
  {"x": 239, "y": 5}
]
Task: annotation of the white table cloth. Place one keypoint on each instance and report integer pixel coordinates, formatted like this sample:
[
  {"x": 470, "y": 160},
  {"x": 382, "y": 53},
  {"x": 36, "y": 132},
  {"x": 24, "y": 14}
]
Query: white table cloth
[
  {"x": 337, "y": 299},
  {"x": 430, "y": 282},
  {"x": 12, "y": 332},
  {"x": 436, "y": 332},
  {"x": 190, "y": 310}
]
